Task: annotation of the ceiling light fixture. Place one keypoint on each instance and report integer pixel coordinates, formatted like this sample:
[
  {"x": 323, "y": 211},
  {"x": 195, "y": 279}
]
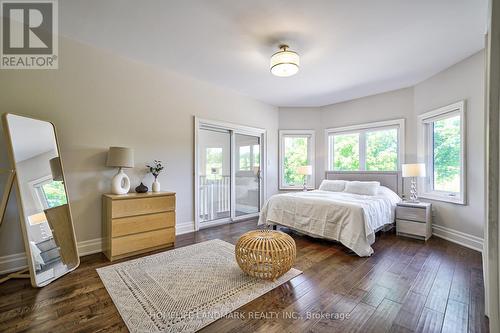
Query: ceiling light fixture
[{"x": 284, "y": 62}]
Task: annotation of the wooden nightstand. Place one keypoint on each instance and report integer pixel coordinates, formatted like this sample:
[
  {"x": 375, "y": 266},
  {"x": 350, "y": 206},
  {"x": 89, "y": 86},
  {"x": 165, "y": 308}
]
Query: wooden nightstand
[{"x": 414, "y": 219}]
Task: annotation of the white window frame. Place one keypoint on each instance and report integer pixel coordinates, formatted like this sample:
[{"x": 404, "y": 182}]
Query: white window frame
[
  {"x": 311, "y": 153},
  {"x": 362, "y": 129},
  {"x": 425, "y": 149},
  {"x": 37, "y": 191}
]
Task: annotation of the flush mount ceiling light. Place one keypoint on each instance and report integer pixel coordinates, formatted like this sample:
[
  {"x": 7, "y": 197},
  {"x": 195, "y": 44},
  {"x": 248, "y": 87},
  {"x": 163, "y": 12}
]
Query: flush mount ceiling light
[{"x": 284, "y": 62}]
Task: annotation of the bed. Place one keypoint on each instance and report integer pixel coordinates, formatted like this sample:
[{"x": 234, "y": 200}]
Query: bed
[{"x": 349, "y": 218}]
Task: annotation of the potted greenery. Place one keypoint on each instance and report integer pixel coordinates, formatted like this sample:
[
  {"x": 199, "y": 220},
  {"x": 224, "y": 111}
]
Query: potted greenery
[{"x": 155, "y": 169}]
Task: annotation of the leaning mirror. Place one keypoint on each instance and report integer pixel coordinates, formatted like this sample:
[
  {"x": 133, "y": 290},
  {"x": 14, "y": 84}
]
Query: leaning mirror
[{"x": 42, "y": 198}]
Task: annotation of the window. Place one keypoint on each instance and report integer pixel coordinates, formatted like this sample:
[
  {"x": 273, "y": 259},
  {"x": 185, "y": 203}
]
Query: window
[
  {"x": 49, "y": 193},
  {"x": 213, "y": 163},
  {"x": 248, "y": 157},
  {"x": 296, "y": 149},
  {"x": 442, "y": 146},
  {"x": 371, "y": 147}
]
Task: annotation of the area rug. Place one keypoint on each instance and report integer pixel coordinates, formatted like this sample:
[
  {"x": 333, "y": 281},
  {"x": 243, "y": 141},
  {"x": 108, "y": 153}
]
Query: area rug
[{"x": 184, "y": 289}]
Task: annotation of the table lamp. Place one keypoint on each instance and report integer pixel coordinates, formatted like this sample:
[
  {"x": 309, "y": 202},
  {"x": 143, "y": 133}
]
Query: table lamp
[
  {"x": 120, "y": 157},
  {"x": 413, "y": 171},
  {"x": 305, "y": 171}
]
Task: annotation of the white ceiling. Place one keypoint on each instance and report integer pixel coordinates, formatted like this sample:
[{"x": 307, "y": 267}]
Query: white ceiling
[{"x": 348, "y": 49}]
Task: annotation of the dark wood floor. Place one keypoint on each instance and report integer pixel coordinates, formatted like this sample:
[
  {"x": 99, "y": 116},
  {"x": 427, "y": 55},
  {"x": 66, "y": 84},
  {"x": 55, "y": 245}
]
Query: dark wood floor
[{"x": 406, "y": 286}]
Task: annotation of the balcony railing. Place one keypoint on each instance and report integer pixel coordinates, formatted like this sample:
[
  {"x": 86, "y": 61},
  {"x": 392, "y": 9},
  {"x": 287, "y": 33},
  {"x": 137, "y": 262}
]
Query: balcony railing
[{"x": 214, "y": 197}]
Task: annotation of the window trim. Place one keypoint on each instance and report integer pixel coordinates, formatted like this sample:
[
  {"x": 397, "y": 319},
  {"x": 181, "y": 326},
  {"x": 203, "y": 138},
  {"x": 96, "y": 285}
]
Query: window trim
[
  {"x": 426, "y": 191},
  {"x": 362, "y": 129},
  {"x": 285, "y": 133}
]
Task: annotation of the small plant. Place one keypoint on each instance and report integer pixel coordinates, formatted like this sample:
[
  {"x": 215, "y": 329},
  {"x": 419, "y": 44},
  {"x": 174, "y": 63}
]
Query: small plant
[{"x": 155, "y": 168}]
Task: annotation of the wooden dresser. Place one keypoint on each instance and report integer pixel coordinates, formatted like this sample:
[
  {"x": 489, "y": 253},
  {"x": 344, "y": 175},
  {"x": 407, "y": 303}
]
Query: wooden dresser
[{"x": 136, "y": 223}]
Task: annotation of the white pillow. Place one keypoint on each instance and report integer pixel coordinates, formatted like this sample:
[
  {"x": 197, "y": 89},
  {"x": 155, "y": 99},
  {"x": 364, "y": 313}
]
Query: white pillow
[
  {"x": 332, "y": 185},
  {"x": 364, "y": 188},
  {"x": 389, "y": 194}
]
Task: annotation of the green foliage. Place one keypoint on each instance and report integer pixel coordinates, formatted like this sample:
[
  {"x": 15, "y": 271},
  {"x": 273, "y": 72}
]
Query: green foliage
[
  {"x": 155, "y": 168},
  {"x": 295, "y": 156},
  {"x": 382, "y": 150},
  {"x": 244, "y": 163},
  {"x": 55, "y": 194},
  {"x": 346, "y": 152},
  {"x": 213, "y": 165},
  {"x": 446, "y": 146}
]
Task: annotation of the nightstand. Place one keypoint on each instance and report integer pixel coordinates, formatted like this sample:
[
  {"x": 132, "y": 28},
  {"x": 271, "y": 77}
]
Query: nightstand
[{"x": 414, "y": 219}]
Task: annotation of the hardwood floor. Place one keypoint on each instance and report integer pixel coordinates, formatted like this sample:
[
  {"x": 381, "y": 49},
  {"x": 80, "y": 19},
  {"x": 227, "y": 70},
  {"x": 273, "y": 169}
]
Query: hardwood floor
[{"x": 406, "y": 286}]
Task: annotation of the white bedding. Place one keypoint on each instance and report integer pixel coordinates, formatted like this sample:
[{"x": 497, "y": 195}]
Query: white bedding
[{"x": 351, "y": 219}]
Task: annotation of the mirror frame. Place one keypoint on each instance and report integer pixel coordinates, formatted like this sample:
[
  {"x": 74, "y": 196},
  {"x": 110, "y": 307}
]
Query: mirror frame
[{"x": 22, "y": 217}]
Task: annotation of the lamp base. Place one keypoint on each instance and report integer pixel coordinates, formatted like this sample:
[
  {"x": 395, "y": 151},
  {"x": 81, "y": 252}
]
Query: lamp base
[
  {"x": 413, "y": 191},
  {"x": 120, "y": 183}
]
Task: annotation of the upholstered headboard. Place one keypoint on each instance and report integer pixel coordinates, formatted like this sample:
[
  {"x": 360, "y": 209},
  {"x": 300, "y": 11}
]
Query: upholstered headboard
[{"x": 390, "y": 179}]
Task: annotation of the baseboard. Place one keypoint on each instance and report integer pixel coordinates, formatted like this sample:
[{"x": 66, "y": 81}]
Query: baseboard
[
  {"x": 17, "y": 261},
  {"x": 184, "y": 228},
  {"x": 89, "y": 247},
  {"x": 458, "y": 237},
  {"x": 12, "y": 263}
]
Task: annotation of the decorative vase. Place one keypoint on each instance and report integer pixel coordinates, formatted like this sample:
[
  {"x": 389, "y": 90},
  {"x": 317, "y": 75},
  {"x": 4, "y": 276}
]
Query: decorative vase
[
  {"x": 141, "y": 188},
  {"x": 156, "y": 186}
]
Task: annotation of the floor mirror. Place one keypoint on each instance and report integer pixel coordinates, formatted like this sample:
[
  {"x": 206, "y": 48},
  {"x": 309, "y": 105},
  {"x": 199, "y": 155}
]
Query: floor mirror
[{"x": 42, "y": 198}]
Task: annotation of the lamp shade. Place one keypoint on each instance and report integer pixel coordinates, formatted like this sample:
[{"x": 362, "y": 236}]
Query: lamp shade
[
  {"x": 413, "y": 170},
  {"x": 56, "y": 169},
  {"x": 305, "y": 170},
  {"x": 285, "y": 62},
  {"x": 120, "y": 157}
]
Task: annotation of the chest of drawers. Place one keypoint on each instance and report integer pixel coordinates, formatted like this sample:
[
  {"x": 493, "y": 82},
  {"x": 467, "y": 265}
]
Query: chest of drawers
[{"x": 137, "y": 223}]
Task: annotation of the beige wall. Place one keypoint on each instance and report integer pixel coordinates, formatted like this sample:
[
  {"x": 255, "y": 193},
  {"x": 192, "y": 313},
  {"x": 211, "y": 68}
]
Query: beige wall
[
  {"x": 392, "y": 105},
  {"x": 464, "y": 80},
  {"x": 98, "y": 99}
]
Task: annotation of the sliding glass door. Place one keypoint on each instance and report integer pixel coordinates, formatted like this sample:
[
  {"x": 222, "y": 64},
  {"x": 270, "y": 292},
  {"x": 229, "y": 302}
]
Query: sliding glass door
[
  {"x": 247, "y": 174},
  {"x": 214, "y": 169},
  {"x": 229, "y": 172}
]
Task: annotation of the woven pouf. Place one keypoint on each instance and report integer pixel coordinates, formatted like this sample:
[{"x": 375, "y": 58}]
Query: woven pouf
[{"x": 265, "y": 254}]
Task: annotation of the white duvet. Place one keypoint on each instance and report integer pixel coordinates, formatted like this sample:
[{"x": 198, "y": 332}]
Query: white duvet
[{"x": 351, "y": 219}]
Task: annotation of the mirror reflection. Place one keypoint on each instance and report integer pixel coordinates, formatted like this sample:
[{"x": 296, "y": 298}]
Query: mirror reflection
[{"x": 44, "y": 199}]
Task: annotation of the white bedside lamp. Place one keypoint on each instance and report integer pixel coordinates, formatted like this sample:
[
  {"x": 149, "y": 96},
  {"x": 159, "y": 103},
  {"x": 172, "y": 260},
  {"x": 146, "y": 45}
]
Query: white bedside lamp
[
  {"x": 305, "y": 171},
  {"x": 413, "y": 171},
  {"x": 120, "y": 157}
]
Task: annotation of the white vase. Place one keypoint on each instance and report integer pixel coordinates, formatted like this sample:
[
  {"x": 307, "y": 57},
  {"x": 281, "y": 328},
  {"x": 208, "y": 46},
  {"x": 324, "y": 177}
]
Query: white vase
[{"x": 156, "y": 186}]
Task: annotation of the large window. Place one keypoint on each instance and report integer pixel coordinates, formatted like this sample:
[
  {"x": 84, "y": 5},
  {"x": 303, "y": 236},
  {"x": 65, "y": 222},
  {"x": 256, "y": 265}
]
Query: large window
[
  {"x": 296, "y": 150},
  {"x": 443, "y": 142},
  {"x": 49, "y": 193},
  {"x": 372, "y": 147}
]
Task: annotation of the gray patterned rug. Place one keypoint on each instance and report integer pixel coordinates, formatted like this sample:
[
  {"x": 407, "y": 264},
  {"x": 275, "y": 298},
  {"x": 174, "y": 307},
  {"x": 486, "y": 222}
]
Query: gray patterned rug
[{"x": 184, "y": 289}]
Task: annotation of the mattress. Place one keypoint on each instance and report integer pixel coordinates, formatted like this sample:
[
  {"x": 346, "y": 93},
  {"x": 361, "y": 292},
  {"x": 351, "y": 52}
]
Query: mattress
[{"x": 350, "y": 219}]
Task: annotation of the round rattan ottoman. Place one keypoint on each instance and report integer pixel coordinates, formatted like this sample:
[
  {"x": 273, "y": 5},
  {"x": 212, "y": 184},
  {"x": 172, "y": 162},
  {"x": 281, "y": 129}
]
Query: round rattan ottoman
[{"x": 265, "y": 254}]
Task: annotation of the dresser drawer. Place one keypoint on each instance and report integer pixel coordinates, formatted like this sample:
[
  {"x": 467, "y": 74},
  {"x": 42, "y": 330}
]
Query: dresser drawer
[
  {"x": 142, "y": 241},
  {"x": 411, "y": 228},
  {"x": 141, "y": 223},
  {"x": 411, "y": 213},
  {"x": 127, "y": 207}
]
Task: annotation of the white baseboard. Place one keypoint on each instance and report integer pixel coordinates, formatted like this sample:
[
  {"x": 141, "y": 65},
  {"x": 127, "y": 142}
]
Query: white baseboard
[
  {"x": 17, "y": 261},
  {"x": 458, "y": 237},
  {"x": 89, "y": 247},
  {"x": 12, "y": 263},
  {"x": 184, "y": 228}
]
